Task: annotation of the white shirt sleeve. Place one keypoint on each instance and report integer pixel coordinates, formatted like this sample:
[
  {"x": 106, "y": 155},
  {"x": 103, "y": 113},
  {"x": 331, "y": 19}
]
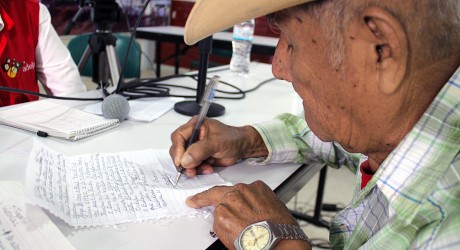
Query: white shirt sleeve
[{"x": 55, "y": 67}]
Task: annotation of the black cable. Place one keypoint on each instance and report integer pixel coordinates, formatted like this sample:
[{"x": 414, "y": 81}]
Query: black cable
[
  {"x": 133, "y": 32},
  {"x": 140, "y": 88},
  {"x": 147, "y": 58},
  {"x": 144, "y": 88},
  {"x": 320, "y": 243},
  {"x": 260, "y": 85},
  {"x": 218, "y": 69},
  {"x": 48, "y": 96}
]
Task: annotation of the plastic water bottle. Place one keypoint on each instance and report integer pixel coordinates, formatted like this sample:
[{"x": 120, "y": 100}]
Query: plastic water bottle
[{"x": 242, "y": 43}]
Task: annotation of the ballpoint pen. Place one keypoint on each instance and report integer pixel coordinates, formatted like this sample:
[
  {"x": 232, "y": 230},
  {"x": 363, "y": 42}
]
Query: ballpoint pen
[{"x": 206, "y": 102}]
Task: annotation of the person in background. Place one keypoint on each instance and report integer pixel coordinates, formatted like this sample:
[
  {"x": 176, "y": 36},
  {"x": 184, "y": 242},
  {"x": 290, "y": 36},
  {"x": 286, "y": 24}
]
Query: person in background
[
  {"x": 380, "y": 84},
  {"x": 31, "y": 51}
]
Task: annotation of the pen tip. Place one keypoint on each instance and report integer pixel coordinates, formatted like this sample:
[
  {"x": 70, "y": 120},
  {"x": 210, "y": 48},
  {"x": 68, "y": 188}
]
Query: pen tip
[{"x": 177, "y": 178}]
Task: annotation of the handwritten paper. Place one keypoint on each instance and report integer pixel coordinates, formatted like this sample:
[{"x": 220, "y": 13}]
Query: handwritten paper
[
  {"x": 111, "y": 188},
  {"x": 24, "y": 225}
]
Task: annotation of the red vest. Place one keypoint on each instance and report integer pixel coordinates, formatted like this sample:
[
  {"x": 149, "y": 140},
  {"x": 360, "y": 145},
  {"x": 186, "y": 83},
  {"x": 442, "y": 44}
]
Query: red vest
[{"x": 18, "y": 41}]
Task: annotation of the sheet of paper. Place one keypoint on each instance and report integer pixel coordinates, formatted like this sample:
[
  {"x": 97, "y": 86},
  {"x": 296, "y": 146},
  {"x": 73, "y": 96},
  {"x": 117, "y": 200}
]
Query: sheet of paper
[
  {"x": 24, "y": 225},
  {"x": 111, "y": 188},
  {"x": 142, "y": 110}
]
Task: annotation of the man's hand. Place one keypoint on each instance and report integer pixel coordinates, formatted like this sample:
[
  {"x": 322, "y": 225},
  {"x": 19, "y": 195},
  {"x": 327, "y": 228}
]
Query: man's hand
[
  {"x": 238, "y": 206},
  {"x": 218, "y": 144}
]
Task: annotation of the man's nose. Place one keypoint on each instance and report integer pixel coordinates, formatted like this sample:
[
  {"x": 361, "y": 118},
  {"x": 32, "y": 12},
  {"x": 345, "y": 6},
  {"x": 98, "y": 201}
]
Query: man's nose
[{"x": 280, "y": 66}]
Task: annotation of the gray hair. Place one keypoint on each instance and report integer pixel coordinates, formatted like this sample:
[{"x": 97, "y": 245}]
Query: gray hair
[{"x": 433, "y": 25}]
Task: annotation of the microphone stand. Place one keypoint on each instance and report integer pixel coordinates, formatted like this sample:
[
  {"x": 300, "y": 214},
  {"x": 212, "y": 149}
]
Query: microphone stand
[
  {"x": 73, "y": 21},
  {"x": 192, "y": 108}
]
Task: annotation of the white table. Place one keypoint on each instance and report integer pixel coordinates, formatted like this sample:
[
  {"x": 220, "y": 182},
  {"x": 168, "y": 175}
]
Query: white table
[{"x": 184, "y": 233}]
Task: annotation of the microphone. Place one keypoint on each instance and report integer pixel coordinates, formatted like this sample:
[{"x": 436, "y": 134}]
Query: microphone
[{"x": 115, "y": 106}]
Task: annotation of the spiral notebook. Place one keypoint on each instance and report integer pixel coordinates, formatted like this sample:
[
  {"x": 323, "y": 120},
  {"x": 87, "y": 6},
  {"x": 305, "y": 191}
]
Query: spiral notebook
[{"x": 50, "y": 119}]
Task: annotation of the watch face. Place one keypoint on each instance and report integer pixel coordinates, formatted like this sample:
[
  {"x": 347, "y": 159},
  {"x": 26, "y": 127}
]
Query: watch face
[{"x": 255, "y": 237}]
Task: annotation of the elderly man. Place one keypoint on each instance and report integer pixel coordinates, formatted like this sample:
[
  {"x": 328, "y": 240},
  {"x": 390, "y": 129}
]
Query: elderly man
[{"x": 380, "y": 79}]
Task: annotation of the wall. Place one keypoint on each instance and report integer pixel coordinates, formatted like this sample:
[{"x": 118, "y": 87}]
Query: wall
[
  {"x": 63, "y": 11},
  {"x": 180, "y": 10}
]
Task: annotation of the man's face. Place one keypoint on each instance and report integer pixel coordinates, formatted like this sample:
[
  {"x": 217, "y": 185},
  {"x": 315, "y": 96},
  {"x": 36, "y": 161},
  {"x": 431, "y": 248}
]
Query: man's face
[{"x": 328, "y": 94}]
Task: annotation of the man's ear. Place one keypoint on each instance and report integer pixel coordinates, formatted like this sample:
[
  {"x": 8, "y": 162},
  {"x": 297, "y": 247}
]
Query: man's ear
[{"x": 389, "y": 40}]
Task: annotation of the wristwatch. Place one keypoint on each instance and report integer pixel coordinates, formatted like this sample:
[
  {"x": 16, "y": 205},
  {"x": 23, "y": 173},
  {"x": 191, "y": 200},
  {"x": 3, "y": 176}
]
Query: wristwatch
[{"x": 265, "y": 235}]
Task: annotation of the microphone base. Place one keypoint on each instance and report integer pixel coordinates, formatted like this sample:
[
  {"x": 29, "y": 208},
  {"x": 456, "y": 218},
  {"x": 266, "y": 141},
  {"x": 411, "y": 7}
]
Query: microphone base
[{"x": 191, "y": 108}]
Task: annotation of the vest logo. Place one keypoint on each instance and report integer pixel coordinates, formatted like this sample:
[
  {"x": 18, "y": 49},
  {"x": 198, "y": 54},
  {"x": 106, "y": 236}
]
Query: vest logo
[
  {"x": 11, "y": 67},
  {"x": 28, "y": 66}
]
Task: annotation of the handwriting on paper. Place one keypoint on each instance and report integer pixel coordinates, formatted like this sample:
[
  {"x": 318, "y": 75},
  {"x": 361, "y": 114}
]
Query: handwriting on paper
[{"x": 110, "y": 188}]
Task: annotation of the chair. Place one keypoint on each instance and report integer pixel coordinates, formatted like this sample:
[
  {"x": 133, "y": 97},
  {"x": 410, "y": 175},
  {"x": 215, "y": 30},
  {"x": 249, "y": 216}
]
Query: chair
[{"x": 78, "y": 44}]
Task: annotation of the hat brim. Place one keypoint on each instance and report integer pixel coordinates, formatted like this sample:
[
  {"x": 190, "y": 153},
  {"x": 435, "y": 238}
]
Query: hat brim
[{"x": 210, "y": 16}]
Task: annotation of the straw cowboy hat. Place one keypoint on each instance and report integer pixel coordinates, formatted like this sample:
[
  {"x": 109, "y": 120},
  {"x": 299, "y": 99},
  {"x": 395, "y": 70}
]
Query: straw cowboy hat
[{"x": 211, "y": 16}]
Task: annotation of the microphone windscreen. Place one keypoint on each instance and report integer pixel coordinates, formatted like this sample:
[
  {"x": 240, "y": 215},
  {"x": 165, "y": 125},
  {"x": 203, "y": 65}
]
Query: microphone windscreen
[{"x": 115, "y": 107}]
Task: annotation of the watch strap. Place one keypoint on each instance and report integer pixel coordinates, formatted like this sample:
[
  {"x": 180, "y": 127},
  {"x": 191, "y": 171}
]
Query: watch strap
[{"x": 290, "y": 232}]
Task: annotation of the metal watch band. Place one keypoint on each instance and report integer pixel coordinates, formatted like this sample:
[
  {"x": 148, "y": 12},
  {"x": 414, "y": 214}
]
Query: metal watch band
[{"x": 291, "y": 232}]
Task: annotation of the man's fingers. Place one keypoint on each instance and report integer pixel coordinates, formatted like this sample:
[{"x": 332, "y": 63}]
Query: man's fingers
[
  {"x": 210, "y": 197},
  {"x": 196, "y": 154},
  {"x": 179, "y": 139},
  {"x": 178, "y": 148},
  {"x": 205, "y": 169}
]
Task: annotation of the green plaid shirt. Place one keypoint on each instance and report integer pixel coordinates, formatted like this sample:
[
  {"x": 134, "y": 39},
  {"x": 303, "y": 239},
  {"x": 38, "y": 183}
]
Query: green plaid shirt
[{"x": 412, "y": 201}]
